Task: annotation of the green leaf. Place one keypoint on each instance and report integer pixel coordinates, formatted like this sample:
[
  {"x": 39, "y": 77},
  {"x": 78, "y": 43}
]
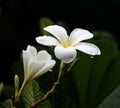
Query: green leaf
[
  {"x": 8, "y": 91},
  {"x": 45, "y": 104},
  {"x": 8, "y": 103},
  {"x": 65, "y": 25},
  {"x": 111, "y": 79},
  {"x": 102, "y": 34},
  {"x": 1, "y": 88},
  {"x": 112, "y": 101},
  {"x": 44, "y": 21},
  {"x": 17, "y": 68},
  {"x": 31, "y": 93},
  {"x": 2, "y": 105},
  {"x": 81, "y": 73},
  {"x": 89, "y": 72},
  {"x": 99, "y": 67}
]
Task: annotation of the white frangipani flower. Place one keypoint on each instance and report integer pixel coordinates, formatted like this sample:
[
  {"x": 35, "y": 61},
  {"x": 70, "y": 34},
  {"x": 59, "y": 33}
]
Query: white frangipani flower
[
  {"x": 66, "y": 46},
  {"x": 36, "y": 64}
]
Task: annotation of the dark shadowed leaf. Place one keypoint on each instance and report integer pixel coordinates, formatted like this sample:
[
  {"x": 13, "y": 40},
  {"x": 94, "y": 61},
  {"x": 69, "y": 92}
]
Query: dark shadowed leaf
[
  {"x": 81, "y": 73},
  {"x": 111, "y": 79},
  {"x": 112, "y": 101},
  {"x": 89, "y": 72},
  {"x": 8, "y": 91},
  {"x": 17, "y": 68},
  {"x": 44, "y": 22},
  {"x": 2, "y": 105},
  {"x": 8, "y": 103},
  {"x": 99, "y": 67},
  {"x": 1, "y": 88},
  {"x": 102, "y": 34}
]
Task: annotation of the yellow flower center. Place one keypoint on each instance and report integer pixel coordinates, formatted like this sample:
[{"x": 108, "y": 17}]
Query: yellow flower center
[{"x": 65, "y": 45}]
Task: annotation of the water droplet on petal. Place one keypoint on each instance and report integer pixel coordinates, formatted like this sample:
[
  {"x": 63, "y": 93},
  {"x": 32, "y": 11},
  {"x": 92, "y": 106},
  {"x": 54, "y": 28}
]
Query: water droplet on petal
[
  {"x": 92, "y": 56},
  {"x": 50, "y": 70}
]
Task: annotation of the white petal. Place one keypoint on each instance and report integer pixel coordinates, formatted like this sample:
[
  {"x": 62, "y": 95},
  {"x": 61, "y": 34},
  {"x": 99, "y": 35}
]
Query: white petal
[
  {"x": 66, "y": 55},
  {"x": 48, "y": 66},
  {"x": 78, "y": 35},
  {"x": 88, "y": 48},
  {"x": 34, "y": 67},
  {"x": 47, "y": 41},
  {"x": 43, "y": 55},
  {"x": 32, "y": 50},
  {"x": 26, "y": 61},
  {"x": 59, "y": 32}
]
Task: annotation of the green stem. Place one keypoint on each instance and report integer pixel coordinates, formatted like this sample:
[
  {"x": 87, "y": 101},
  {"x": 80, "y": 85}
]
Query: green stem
[
  {"x": 72, "y": 64},
  {"x": 52, "y": 89},
  {"x": 20, "y": 91}
]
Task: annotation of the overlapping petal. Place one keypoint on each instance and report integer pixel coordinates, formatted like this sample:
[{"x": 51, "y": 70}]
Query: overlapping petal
[
  {"x": 78, "y": 35},
  {"x": 47, "y": 67},
  {"x": 34, "y": 67},
  {"x": 26, "y": 60},
  {"x": 88, "y": 48},
  {"x": 43, "y": 56},
  {"x": 32, "y": 50},
  {"x": 47, "y": 41},
  {"x": 67, "y": 55},
  {"x": 59, "y": 32}
]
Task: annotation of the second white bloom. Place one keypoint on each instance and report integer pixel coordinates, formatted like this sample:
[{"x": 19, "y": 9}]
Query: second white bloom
[
  {"x": 66, "y": 46},
  {"x": 36, "y": 64}
]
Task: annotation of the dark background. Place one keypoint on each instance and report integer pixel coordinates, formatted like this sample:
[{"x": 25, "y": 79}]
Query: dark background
[{"x": 19, "y": 23}]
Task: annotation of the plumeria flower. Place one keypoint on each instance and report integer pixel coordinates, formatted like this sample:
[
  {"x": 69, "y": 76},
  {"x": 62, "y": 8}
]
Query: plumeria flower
[
  {"x": 36, "y": 64},
  {"x": 66, "y": 46}
]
